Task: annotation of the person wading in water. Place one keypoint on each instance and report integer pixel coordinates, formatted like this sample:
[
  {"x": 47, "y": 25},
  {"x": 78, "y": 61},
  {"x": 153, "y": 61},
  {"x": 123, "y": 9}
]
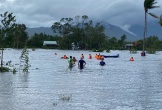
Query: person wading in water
[
  {"x": 70, "y": 61},
  {"x": 81, "y": 63}
]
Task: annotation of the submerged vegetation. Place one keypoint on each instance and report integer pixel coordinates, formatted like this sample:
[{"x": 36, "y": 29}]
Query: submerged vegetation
[
  {"x": 4, "y": 69},
  {"x": 24, "y": 64},
  {"x": 24, "y": 60}
]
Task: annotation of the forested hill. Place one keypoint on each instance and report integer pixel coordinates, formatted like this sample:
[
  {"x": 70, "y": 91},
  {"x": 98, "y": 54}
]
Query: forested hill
[
  {"x": 111, "y": 31},
  {"x": 38, "y": 30}
]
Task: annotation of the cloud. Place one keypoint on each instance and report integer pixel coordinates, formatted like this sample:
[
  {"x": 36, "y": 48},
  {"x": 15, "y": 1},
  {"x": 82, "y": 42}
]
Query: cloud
[{"x": 36, "y": 13}]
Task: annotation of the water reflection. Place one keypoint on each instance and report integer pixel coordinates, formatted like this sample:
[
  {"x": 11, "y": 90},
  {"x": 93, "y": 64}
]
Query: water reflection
[{"x": 120, "y": 84}]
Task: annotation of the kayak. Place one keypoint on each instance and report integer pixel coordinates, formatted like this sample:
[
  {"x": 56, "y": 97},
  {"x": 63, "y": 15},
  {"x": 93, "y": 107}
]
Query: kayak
[{"x": 110, "y": 56}]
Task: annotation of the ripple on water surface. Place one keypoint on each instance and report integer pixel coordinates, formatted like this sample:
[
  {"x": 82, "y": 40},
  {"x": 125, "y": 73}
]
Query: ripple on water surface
[{"x": 119, "y": 85}]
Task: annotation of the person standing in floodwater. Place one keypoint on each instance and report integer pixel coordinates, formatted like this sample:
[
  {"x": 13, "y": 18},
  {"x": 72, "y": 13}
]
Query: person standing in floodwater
[
  {"x": 81, "y": 63},
  {"x": 74, "y": 60},
  {"x": 90, "y": 56},
  {"x": 70, "y": 62},
  {"x": 102, "y": 63},
  {"x": 82, "y": 56}
]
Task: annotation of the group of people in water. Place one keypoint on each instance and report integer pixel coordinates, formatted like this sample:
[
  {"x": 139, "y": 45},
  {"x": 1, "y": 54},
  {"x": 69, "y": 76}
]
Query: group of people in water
[
  {"x": 81, "y": 62},
  {"x": 72, "y": 60}
]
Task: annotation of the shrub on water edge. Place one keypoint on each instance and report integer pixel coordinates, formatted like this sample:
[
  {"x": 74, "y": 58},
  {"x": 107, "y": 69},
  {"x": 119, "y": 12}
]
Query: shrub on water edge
[
  {"x": 24, "y": 60},
  {"x": 133, "y": 51},
  {"x": 65, "y": 97},
  {"x": 14, "y": 71},
  {"x": 4, "y": 69},
  {"x": 108, "y": 50},
  {"x": 151, "y": 51},
  {"x": 99, "y": 50}
]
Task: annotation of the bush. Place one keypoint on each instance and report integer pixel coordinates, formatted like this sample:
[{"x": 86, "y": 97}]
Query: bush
[
  {"x": 151, "y": 51},
  {"x": 108, "y": 50},
  {"x": 133, "y": 51},
  {"x": 99, "y": 50},
  {"x": 4, "y": 69}
]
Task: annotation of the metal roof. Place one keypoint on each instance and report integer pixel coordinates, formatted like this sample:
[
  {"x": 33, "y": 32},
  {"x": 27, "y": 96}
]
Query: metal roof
[
  {"x": 129, "y": 45},
  {"x": 49, "y": 43}
]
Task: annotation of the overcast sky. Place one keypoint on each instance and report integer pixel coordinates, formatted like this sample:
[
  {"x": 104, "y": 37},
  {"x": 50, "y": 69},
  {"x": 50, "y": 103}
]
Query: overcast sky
[{"x": 36, "y": 13}]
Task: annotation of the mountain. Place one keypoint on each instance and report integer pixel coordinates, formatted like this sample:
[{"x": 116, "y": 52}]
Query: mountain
[
  {"x": 110, "y": 30},
  {"x": 115, "y": 31},
  {"x": 38, "y": 30},
  {"x": 153, "y": 29}
]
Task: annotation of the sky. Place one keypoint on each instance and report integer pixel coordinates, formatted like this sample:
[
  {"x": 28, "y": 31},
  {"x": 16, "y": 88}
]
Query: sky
[{"x": 43, "y": 13}]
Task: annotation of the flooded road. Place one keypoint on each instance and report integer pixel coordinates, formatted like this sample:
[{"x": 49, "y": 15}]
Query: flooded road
[{"x": 51, "y": 85}]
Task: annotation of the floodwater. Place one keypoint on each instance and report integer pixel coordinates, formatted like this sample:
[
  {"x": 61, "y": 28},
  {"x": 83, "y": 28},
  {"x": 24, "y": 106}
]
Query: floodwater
[{"x": 51, "y": 85}]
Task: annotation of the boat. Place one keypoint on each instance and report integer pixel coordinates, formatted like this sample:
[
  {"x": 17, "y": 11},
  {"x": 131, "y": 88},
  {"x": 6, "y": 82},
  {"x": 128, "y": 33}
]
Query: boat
[{"x": 110, "y": 56}]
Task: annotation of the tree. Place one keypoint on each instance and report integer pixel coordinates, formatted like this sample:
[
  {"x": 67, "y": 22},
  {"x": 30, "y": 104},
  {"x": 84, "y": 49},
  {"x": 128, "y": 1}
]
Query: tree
[
  {"x": 81, "y": 32},
  {"x": 57, "y": 28},
  {"x": 84, "y": 24},
  {"x": 148, "y": 4},
  {"x": 153, "y": 42},
  {"x": 36, "y": 41},
  {"x": 19, "y": 36},
  {"x": 160, "y": 21},
  {"x": 8, "y": 23},
  {"x": 122, "y": 41},
  {"x": 63, "y": 27},
  {"x": 113, "y": 43}
]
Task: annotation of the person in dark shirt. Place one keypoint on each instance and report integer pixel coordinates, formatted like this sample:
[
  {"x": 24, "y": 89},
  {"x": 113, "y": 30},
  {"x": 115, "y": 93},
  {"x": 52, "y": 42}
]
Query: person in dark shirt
[
  {"x": 81, "y": 63},
  {"x": 102, "y": 63}
]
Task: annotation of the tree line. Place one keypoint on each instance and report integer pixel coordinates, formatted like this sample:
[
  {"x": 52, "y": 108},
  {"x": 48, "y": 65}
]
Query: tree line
[{"x": 81, "y": 31}]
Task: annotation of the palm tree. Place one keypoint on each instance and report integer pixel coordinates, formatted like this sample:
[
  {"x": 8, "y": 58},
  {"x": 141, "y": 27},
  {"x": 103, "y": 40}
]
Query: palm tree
[
  {"x": 148, "y": 4},
  {"x": 160, "y": 21}
]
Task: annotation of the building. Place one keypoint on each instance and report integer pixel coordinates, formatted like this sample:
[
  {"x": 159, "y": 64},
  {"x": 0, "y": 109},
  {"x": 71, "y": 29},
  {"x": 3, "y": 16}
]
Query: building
[
  {"x": 50, "y": 44},
  {"x": 74, "y": 47},
  {"x": 129, "y": 46}
]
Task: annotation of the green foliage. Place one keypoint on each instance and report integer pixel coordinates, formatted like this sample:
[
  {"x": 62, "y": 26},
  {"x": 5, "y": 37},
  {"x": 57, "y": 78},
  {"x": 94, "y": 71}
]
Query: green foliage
[
  {"x": 133, "y": 51},
  {"x": 151, "y": 51},
  {"x": 4, "y": 69},
  {"x": 108, "y": 50},
  {"x": 12, "y": 34},
  {"x": 20, "y": 36},
  {"x": 160, "y": 22},
  {"x": 122, "y": 42},
  {"x": 112, "y": 43},
  {"x": 99, "y": 50},
  {"x": 148, "y": 4},
  {"x": 84, "y": 33},
  {"x": 153, "y": 42},
  {"x": 11, "y": 67},
  {"x": 24, "y": 60},
  {"x": 14, "y": 70},
  {"x": 7, "y": 27},
  {"x": 36, "y": 41}
]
